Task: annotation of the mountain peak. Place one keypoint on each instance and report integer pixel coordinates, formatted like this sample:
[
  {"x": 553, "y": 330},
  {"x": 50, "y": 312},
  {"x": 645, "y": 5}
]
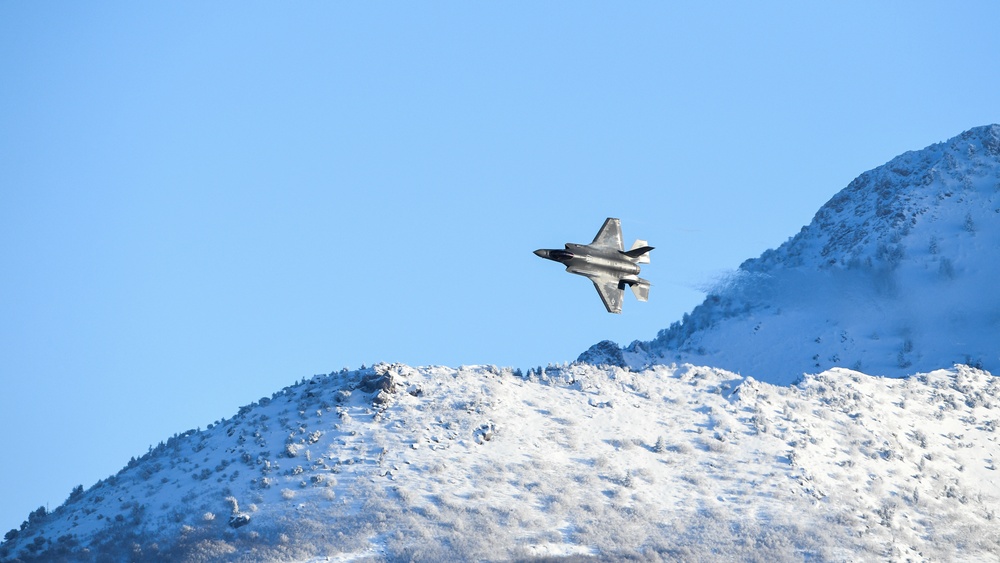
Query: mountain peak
[
  {"x": 884, "y": 204},
  {"x": 988, "y": 137},
  {"x": 892, "y": 275}
]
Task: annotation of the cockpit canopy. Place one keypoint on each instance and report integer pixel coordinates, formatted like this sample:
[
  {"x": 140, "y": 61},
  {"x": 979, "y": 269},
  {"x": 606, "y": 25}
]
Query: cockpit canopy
[{"x": 562, "y": 255}]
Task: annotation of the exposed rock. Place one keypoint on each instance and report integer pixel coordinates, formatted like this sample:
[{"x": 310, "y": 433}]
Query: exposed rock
[
  {"x": 239, "y": 520},
  {"x": 604, "y": 353}
]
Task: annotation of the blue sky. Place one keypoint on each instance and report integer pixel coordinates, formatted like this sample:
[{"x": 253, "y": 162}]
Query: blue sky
[{"x": 201, "y": 203}]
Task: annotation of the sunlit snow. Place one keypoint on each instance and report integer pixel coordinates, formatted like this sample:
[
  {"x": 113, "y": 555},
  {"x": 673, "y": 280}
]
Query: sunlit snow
[{"x": 479, "y": 463}]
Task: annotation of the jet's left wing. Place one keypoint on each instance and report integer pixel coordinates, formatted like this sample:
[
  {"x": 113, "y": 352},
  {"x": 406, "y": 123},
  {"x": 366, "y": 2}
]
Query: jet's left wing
[
  {"x": 611, "y": 292},
  {"x": 610, "y": 235}
]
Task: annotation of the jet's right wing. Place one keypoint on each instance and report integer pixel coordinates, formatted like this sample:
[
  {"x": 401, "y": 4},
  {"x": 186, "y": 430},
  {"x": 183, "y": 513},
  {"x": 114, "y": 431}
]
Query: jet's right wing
[
  {"x": 611, "y": 292},
  {"x": 610, "y": 235}
]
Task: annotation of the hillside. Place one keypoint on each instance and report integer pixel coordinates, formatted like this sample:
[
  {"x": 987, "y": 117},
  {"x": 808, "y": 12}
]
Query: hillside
[
  {"x": 431, "y": 464},
  {"x": 895, "y": 274}
]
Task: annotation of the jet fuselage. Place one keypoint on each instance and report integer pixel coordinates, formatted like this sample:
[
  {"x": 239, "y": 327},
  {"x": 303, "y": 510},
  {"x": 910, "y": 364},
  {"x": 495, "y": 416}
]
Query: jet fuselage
[{"x": 580, "y": 258}]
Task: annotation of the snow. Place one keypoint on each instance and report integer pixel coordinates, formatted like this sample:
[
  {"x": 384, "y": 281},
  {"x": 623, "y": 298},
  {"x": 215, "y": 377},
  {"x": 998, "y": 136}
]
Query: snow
[{"x": 478, "y": 463}]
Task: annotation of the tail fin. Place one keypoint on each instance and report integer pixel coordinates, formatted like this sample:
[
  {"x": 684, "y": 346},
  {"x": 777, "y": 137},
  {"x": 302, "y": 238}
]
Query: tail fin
[
  {"x": 641, "y": 289},
  {"x": 640, "y": 252}
]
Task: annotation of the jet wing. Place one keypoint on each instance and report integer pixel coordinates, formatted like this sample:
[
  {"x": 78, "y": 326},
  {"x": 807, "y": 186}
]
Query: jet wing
[
  {"x": 611, "y": 292},
  {"x": 610, "y": 235}
]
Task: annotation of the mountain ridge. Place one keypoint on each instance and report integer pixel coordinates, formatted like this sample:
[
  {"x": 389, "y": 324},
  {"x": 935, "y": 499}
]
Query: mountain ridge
[{"x": 483, "y": 463}]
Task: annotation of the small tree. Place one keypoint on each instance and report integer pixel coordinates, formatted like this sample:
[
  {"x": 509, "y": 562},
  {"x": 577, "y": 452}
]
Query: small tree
[
  {"x": 37, "y": 516},
  {"x": 946, "y": 268},
  {"x": 75, "y": 494},
  {"x": 661, "y": 445},
  {"x": 970, "y": 224}
]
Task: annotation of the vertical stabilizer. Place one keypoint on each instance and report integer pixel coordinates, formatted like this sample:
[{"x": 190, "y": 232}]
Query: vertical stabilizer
[{"x": 640, "y": 251}]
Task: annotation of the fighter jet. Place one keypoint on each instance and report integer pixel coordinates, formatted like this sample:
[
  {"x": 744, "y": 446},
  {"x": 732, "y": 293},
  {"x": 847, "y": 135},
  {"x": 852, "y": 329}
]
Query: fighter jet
[{"x": 606, "y": 262}]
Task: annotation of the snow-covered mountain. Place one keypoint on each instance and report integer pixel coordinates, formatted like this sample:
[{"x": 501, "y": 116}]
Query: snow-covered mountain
[
  {"x": 628, "y": 455},
  {"x": 896, "y": 274},
  {"x": 480, "y": 463}
]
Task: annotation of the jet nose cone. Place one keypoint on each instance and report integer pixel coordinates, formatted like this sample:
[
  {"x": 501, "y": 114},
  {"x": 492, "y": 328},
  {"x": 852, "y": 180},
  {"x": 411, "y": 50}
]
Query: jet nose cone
[{"x": 542, "y": 253}]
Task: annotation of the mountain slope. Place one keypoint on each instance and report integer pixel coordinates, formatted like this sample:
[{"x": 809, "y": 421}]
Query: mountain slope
[
  {"x": 895, "y": 274},
  {"x": 479, "y": 463}
]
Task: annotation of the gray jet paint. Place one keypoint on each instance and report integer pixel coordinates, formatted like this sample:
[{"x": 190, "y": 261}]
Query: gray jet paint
[{"x": 606, "y": 262}]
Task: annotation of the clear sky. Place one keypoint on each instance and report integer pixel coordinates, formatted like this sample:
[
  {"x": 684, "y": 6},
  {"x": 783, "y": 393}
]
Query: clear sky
[{"x": 204, "y": 202}]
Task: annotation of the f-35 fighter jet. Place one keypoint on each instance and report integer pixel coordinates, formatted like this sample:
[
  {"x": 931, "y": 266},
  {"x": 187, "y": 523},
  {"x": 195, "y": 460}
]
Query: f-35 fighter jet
[{"x": 606, "y": 262}]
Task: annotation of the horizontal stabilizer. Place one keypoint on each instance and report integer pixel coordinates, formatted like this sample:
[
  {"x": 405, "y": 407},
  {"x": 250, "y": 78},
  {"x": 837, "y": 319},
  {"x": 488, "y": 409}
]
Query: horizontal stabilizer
[
  {"x": 641, "y": 289},
  {"x": 640, "y": 252}
]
